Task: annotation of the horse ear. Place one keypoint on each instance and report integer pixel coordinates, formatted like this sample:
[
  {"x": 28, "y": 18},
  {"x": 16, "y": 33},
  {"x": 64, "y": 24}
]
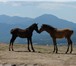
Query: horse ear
[
  {"x": 37, "y": 23},
  {"x": 42, "y": 25}
]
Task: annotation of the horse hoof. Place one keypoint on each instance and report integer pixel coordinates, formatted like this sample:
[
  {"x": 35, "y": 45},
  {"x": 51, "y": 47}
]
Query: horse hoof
[
  {"x": 13, "y": 65},
  {"x": 53, "y": 51},
  {"x": 29, "y": 50},
  {"x": 9, "y": 50},
  {"x": 33, "y": 50},
  {"x": 70, "y": 52},
  {"x": 12, "y": 50},
  {"x": 65, "y": 52},
  {"x": 56, "y": 52}
]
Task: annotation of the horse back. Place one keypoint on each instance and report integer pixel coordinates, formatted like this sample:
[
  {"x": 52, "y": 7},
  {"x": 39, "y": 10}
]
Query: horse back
[
  {"x": 15, "y": 30},
  {"x": 23, "y": 33},
  {"x": 68, "y": 32},
  {"x": 64, "y": 33}
]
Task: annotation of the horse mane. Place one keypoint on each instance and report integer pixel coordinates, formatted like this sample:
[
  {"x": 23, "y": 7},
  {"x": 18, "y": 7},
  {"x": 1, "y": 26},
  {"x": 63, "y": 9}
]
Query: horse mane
[
  {"x": 50, "y": 27},
  {"x": 32, "y": 25}
]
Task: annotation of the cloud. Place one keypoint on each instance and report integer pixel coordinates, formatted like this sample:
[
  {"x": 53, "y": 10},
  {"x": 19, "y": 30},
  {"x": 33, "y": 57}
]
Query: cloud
[
  {"x": 42, "y": 4},
  {"x": 12, "y": 3},
  {"x": 16, "y": 4},
  {"x": 49, "y": 5},
  {"x": 62, "y": 0},
  {"x": 55, "y": 5},
  {"x": 39, "y": 0},
  {"x": 3, "y": 1}
]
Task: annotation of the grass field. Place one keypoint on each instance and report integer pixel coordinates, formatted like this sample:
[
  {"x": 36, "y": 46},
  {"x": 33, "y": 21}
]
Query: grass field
[{"x": 42, "y": 57}]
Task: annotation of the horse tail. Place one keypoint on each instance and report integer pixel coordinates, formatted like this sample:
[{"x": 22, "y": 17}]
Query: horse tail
[
  {"x": 11, "y": 31},
  {"x": 72, "y": 31}
]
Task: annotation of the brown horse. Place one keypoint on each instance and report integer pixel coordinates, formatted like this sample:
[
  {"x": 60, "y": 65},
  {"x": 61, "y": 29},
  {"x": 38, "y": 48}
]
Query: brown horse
[
  {"x": 54, "y": 33},
  {"x": 23, "y": 33}
]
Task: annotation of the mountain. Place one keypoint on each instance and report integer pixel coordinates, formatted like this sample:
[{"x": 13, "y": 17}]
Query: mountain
[
  {"x": 15, "y": 20},
  {"x": 9, "y": 22},
  {"x": 55, "y": 21}
]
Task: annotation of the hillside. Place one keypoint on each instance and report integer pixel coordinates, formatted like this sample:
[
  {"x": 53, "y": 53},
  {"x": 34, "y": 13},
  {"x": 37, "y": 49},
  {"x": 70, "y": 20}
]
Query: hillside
[{"x": 9, "y": 22}]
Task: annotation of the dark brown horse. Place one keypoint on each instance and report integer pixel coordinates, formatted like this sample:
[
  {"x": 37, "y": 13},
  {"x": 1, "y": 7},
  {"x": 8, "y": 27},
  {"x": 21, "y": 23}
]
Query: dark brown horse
[
  {"x": 54, "y": 33},
  {"x": 23, "y": 33}
]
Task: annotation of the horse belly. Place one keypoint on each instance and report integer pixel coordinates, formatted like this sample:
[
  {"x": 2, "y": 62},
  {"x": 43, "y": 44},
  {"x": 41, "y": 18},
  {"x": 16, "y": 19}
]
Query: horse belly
[
  {"x": 60, "y": 35},
  {"x": 23, "y": 35}
]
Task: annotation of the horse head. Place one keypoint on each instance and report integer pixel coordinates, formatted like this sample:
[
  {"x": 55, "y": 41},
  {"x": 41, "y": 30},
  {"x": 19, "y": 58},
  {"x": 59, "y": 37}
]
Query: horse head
[
  {"x": 35, "y": 25},
  {"x": 42, "y": 28}
]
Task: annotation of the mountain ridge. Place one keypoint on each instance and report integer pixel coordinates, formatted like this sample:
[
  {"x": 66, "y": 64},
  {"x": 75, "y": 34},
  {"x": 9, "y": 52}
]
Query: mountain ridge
[{"x": 8, "y": 22}]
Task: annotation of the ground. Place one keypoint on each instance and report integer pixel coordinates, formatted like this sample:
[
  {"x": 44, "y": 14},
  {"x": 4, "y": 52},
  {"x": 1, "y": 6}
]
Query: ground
[{"x": 42, "y": 57}]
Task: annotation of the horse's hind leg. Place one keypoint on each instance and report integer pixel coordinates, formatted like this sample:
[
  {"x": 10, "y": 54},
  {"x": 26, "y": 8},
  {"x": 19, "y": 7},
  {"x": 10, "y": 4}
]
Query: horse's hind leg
[
  {"x": 28, "y": 45},
  {"x": 32, "y": 45},
  {"x": 54, "y": 46},
  {"x": 12, "y": 41},
  {"x": 67, "y": 48},
  {"x": 10, "y": 44},
  {"x": 71, "y": 46},
  {"x": 68, "y": 40}
]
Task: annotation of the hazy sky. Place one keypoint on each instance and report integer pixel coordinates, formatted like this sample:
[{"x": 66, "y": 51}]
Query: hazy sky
[{"x": 64, "y": 9}]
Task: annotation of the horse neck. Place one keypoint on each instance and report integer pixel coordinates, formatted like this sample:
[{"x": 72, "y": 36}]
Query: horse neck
[
  {"x": 49, "y": 30},
  {"x": 31, "y": 28}
]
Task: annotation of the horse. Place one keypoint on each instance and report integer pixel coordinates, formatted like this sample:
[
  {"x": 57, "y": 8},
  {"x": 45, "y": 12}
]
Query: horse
[
  {"x": 55, "y": 33},
  {"x": 23, "y": 33}
]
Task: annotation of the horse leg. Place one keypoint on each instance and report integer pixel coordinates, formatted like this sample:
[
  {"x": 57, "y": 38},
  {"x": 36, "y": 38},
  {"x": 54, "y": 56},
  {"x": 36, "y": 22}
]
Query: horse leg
[
  {"x": 11, "y": 42},
  {"x": 55, "y": 46},
  {"x": 71, "y": 46},
  {"x": 28, "y": 45},
  {"x": 68, "y": 45},
  {"x": 32, "y": 45}
]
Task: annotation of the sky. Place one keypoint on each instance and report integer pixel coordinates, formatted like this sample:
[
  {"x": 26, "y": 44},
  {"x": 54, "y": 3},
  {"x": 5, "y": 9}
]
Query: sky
[{"x": 64, "y": 9}]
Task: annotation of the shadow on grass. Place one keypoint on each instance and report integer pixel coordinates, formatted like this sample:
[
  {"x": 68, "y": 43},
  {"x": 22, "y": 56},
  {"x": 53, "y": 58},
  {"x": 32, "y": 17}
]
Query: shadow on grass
[
  {"x": 32, "y": 52},
  {"x": 67, "y": 53},
  {"x": 47, "y": 52},
  {"x": 21, "y": 51},
  {"x": 28, "y": 51}
]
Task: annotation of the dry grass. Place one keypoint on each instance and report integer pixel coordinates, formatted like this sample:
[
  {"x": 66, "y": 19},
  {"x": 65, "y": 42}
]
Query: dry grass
[{"x": 42, "y": 57}]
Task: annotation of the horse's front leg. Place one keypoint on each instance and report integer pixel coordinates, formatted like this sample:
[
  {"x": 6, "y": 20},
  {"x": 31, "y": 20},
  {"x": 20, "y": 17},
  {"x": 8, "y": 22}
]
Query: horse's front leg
[
  {"x": 55, "y": 45},
  {"x": 28, "y": 45},
  {"x": 32, "y": 45},
  {"x": 10, "y": 45}
]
